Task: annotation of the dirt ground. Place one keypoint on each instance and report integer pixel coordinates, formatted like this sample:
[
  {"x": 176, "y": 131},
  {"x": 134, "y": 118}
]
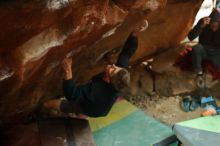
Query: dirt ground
[{"x": 165, "y": 109}]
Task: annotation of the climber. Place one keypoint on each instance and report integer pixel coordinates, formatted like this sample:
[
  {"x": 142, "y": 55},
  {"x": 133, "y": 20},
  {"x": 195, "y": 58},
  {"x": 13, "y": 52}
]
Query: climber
[
  {"x": 208, "y": 47},
  {"x": 96, "y": 98}
]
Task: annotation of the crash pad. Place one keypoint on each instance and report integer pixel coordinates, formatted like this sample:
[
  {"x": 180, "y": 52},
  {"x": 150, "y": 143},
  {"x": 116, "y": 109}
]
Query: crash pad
[
  {"x": 201, "y": 131},
  {"x": 126, "y": 125}
]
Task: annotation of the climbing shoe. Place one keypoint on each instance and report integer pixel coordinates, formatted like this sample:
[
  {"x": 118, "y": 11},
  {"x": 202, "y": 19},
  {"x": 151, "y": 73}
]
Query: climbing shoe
[
  {"x": 200, "y": 81},
  {"x": 185, "y": 104},
  {"x": 188, "y": 105},
  {"x": 194, "y": 104}
]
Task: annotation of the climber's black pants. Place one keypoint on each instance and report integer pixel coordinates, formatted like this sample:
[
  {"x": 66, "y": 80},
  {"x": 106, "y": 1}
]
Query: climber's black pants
[{"x": 202, "y": 52}]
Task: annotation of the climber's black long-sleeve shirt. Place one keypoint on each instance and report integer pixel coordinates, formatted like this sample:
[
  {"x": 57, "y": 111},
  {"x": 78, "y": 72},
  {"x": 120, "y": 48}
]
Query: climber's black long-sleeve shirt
[{"x": 97, "y": 97}]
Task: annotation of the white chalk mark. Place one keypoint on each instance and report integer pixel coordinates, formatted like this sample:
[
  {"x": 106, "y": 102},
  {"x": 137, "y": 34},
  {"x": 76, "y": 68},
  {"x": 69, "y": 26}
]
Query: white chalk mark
[
  {"x": 5, "y": 73},
  {"x": 58, "y": 4},
  {"x": 145, "y": 26},
  {"x": 108, "y": 33},
  {"x": 71, "y": 53},
  {"x": 39, "y": 45},
  {"x": 152, "y": 5}
]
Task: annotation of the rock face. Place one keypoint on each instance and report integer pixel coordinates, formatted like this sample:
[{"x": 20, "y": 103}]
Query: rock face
[{"x": 36, "y": 35}]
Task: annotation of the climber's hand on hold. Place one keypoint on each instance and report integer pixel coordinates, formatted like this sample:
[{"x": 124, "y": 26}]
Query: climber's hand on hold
[{"x": 67, "y": 67}]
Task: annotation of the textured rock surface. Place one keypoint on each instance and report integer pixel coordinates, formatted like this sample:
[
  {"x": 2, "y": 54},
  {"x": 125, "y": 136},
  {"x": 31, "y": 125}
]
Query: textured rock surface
[{"x": 36, "y": 35}]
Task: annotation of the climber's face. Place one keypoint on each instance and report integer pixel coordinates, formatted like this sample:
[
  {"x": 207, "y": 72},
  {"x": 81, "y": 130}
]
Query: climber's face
[
  {"x": 112, "y": 70},
  {"x": 214, "y": 25}
]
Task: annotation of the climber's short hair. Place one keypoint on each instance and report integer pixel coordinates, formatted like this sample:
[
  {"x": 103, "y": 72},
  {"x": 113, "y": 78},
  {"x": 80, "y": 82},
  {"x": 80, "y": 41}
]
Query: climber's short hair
[{"x": 121, "y": 80}]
